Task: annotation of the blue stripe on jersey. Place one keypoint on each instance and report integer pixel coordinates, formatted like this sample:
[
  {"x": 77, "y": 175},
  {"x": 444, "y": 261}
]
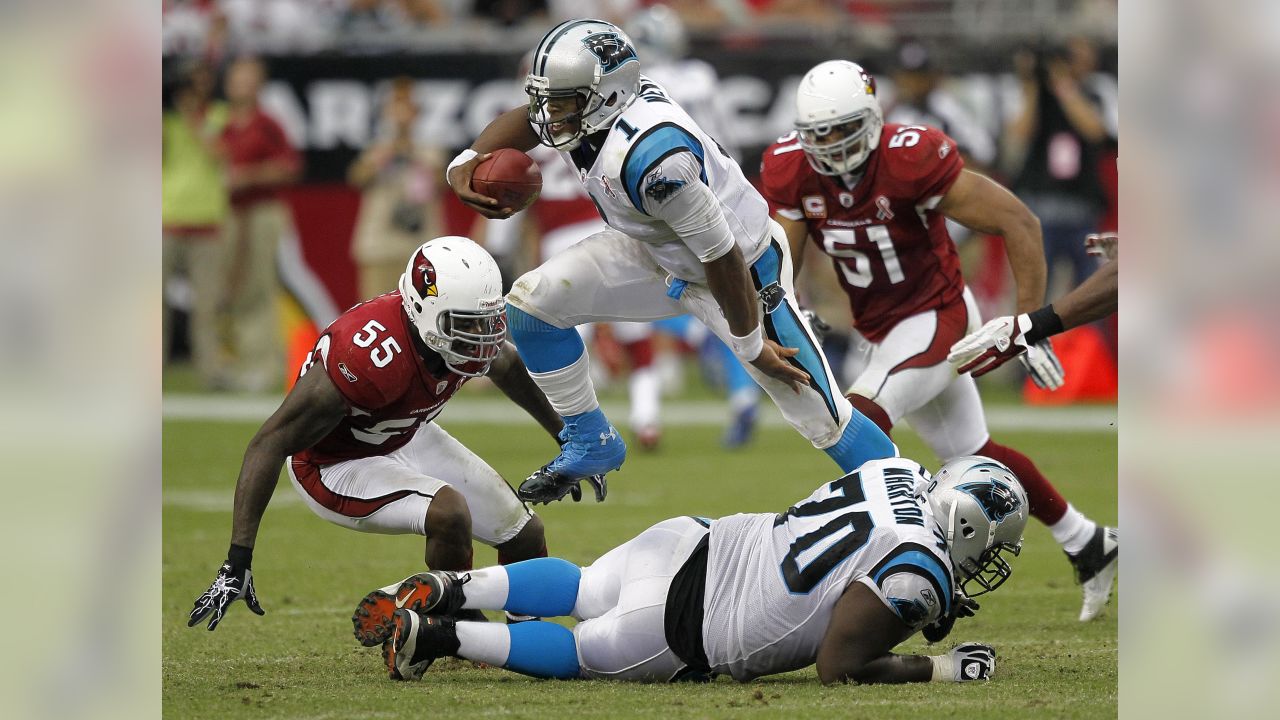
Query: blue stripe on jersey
[
  {"x": 923, "y": 561},
  {"x": 656, "y": 144},
  {"x": 783, "y": 327}
]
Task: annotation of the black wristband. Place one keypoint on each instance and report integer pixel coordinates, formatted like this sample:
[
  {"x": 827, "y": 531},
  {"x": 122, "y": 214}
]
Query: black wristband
[
  {"x": 1044, "y": 323},
  {"x": 240, "y": 557}
]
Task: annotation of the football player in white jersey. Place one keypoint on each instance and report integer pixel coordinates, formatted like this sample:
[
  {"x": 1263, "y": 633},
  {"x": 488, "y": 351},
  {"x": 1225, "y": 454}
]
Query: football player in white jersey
[
  {"x": 838, "y": 579},
  {"x": 687, "y": 234}
]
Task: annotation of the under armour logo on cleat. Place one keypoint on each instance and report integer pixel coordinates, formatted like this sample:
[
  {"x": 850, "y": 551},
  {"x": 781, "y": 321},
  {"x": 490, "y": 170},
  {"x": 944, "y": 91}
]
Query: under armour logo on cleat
[{"x": 606, "y": 437}]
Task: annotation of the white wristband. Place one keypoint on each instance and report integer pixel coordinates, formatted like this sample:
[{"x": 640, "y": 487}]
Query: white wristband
[
  {"x": 463, "y": 157},
  {"x": 749, "y": 346},
  {"x": 944, "y": 668}
]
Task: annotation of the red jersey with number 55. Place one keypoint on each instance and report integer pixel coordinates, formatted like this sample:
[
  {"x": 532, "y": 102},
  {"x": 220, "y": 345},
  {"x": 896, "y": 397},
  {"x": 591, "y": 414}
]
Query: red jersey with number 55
[
  {"x": 369, "y": 355},
  {"x": 889, "y": 244}
]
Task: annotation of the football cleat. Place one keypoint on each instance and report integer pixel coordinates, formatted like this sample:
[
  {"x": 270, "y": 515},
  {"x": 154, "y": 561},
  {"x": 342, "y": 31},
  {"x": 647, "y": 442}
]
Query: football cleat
[
  {"x": 741, "y": 429},
  {"x": 438, "y": 593},
  {"x": 1096, "y": 566},
  {"x": 544, "y": 487},
  {"x": 416, "y": 641},
  {"x": 588, "y": 446}
]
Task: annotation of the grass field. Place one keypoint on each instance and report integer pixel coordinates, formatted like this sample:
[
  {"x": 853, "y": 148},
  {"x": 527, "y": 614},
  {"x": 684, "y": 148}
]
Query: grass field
[{"x": 300, "y": 660}]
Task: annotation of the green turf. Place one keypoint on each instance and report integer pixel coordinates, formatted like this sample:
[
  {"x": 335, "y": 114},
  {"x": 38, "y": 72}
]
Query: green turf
[{"x": 300, "y": 660}]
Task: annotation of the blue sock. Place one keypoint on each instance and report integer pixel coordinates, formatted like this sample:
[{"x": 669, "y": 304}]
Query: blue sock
[
  {"x": 861, "y": 441},
  {"x": 543, "y": 649},
  {"x": 543, "y": 587},
  {"x": 542, "y": 346}
]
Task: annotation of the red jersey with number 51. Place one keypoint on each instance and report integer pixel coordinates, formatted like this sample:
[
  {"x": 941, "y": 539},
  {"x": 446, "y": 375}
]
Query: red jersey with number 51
[
  {"x": 890, "y": 246},
  {"x": 370, "y": 357}
]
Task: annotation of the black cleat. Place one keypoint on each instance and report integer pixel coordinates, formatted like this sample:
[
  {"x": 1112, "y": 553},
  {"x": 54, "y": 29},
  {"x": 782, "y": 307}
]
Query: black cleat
[
  {"x": 547, "y": 486},
  {"x": 1096, "y": 567},
  {"x": 417, "y": 641},
  {"x": 438, "y": 593}
]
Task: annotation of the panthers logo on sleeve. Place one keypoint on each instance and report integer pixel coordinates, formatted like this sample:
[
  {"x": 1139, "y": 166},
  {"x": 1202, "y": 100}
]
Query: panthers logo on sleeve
[
  {"x": 610, "y": 49},
  {"x": 658, "y": 188}
]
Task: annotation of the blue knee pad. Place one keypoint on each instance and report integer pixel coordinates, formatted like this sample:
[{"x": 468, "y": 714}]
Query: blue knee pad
[
  {"x": 543, "y": 649},
  {"x": 862, "y": 440},
  {"x": 543, "y": 587},
  {"x": 542, "y": 346}
]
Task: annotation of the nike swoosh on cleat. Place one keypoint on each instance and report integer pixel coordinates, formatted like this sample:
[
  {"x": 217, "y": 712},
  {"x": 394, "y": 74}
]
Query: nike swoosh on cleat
[{"x": 401, "y": 601}]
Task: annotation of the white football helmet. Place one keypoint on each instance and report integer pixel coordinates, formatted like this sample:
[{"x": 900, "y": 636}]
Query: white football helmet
[
  {"x": 452, "y": 293},
  {"x": 592, "y": 61},
  {"x": 840, "y": 96},
  {"x": 982, "y": 509}
]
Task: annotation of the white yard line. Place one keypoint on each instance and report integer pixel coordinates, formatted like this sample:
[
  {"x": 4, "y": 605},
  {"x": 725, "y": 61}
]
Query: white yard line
[{"x": 499, "y": 411}]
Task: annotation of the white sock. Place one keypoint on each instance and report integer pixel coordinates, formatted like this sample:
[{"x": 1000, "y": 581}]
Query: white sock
[
  {"x": 569, "y": 389},
  {"x": 484, "y": 642},
  {"x": 1073, "y": 531},
  {"x": 645, "y": 388},
  {"x": 487, "y": 589},
  {"x": 743, "y": 398}
]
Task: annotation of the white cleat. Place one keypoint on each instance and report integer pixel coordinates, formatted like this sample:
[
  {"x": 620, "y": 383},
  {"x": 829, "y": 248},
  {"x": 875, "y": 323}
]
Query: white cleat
[{"x": 1096, "y": 567}]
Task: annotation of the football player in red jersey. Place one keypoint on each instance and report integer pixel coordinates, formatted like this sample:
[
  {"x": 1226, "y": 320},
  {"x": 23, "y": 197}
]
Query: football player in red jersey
[
  {"x": 357, "y": 438},
  {"x": 874, "y": 197}
]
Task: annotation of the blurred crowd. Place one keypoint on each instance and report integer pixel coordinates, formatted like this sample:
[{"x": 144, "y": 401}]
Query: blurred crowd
[{"x": 1042, "y": 119}]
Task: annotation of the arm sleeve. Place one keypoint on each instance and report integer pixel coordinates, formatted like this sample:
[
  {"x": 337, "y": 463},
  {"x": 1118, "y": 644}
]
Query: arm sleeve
[
  {"x": 675, "y": 192},
  {"x": 361, "y": 384}
]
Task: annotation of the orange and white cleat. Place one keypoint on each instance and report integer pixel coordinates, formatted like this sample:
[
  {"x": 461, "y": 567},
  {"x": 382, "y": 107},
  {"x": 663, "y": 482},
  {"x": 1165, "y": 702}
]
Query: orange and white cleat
[{"x": 429, "y": 592}]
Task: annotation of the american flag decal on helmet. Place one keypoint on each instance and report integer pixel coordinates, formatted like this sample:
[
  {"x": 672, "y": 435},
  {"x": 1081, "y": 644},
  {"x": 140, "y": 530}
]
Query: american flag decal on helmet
[{"x": 424, "y": 277}]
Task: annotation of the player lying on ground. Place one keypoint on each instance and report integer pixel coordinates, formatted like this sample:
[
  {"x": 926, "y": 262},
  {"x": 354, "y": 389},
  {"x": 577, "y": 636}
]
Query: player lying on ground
[
  {"x": 840, "y": 579},
  {"x": 1007, "y": 337},
  {"x": 357, "y": 437},
  {"x": 875, "y": 198},
  {"x": 687, "y": 234}
]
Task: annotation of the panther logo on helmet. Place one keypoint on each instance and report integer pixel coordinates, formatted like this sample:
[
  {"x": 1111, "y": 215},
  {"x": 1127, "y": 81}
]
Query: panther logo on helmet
[
  {"x": 424, "y": 278},
  {"x": 611, "y": 49},
  {"x": 996, "y": 499}
]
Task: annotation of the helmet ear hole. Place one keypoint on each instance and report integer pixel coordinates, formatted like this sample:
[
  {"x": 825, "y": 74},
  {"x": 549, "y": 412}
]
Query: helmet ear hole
[
  {"x": 417, "y": 306},
  {"x": 968, "y": 532}
]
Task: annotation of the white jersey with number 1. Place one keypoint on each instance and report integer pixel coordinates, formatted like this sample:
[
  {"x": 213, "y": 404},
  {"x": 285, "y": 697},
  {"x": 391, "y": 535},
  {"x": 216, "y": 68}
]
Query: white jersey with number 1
[
  {"x": 654, "y": 150},
  {"x": 773, "y": 579}
]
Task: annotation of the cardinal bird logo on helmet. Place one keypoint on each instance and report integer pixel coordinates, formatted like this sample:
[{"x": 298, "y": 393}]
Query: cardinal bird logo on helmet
[{"x": 424, "y": 278}]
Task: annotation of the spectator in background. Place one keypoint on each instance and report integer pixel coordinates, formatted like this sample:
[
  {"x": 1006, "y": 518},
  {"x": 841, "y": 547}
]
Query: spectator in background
[
  {"x": 515, "y": 12},
  {"x": 920, "y": 98},
  {"x": 260, "y": 163},
  {"x": 400, "y": 206},
  {"x": 193, "y": 211},
  {"x": 1060, "y": 130}
]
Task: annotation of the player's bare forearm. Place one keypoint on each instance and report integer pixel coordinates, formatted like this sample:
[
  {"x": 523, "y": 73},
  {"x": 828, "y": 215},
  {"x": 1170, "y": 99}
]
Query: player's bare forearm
[
  {"x": 731, "y": 286},
  {"x": 889, "y": 669},
  {"x": 509, "y": 130},
  {"x": 982, "y": 204},
  {"x": 309, "y": 412},
  {"x": 512, "y": 378},
  {"x": 1095, "y": 298}
]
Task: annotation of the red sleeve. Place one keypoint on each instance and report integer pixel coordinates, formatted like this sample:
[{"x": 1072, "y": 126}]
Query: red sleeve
[
  {"x": 780, "y": 174},
  {"x": 351, "y": 366},
  {"x": 923, "y": 159}
]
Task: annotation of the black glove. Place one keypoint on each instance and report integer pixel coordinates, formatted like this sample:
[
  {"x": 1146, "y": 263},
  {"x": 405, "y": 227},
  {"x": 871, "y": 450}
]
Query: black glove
[
  {"x": 938, "y": 631},
  {"x": 234, "y": 581},
  {"x": 819, "y": 326},
  {"x": 544, "y": 487}
]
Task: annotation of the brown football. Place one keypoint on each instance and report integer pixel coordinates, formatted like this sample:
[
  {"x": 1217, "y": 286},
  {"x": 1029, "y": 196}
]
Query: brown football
[{"x": 510, "y": 177}]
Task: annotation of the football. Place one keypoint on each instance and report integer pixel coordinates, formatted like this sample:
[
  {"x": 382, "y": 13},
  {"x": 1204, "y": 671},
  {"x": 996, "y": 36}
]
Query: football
[{"x": 510, "y": 177}]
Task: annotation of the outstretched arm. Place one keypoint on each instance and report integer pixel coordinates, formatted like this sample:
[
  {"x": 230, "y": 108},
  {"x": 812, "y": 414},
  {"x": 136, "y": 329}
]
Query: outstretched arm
[
  {"x": 859, "y": 638},
  {"x": 982, "y": 204},
  {"x": 309, "y": 412},
  {"x": 1095, "y": 298},
  {"x": 512, "y": 378}
]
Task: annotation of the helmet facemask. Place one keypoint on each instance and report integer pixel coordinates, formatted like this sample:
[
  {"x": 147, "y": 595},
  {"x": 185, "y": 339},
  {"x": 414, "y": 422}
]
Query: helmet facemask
[
  {"x": 989, "y": 571},
  {"x": 547, "y": 111},
  {"x": 470, "y": 340},
  {"x": 848, "y": 151}
]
